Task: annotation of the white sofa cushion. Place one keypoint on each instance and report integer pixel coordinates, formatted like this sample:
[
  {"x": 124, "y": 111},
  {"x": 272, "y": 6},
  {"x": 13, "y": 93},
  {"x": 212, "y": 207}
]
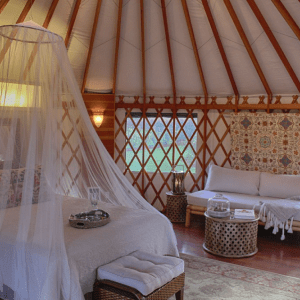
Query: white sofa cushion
[
  {"x": 233, "y": 181},
  {"x": 236, "y": 200},
  {"x": 143, "y": 271},
  {"x": 280, "y": 186}
]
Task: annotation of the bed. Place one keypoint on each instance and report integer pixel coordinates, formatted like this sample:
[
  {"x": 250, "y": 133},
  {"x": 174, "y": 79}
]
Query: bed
[{"x": 129, "y": 230}]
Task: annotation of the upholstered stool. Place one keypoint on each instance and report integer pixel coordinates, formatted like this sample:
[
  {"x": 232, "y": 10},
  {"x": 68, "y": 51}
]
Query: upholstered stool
[{"x": 140, "y": 275}]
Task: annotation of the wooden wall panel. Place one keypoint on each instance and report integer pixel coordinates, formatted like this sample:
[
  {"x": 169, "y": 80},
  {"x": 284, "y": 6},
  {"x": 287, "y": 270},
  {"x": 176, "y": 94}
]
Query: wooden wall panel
[{"x": 103, "y": 103}]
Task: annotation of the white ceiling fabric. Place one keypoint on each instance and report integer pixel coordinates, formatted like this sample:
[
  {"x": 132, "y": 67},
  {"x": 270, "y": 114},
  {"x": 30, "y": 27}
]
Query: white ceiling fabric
[
  {"x": 129, "y": 69},
  {"x": 158, "y": 77},
  {"x": 102, "y": 61}
]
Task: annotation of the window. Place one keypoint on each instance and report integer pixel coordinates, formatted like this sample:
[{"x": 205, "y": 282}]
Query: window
[{"x": 158, "y": 152}]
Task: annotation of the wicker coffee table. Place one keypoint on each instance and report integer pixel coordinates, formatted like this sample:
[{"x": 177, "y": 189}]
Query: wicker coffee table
[{"x": 235, "y": 238}]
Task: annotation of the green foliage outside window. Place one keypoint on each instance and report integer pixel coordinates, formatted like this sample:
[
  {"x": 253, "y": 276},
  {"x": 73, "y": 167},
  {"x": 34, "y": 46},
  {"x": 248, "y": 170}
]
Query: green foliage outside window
[{"x": 160, "y": 152}]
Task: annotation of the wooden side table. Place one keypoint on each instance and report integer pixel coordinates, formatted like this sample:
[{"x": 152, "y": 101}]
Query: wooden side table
[
  {"x": 176, "y": 207},
  {"x": 235, "y": 238}
]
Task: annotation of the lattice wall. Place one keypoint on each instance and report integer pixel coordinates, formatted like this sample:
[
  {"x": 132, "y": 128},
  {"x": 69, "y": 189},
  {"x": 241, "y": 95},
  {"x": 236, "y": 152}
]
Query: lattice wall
[
  {"x": 71, "y": 156},
  {"x": 211, "y": 130}
]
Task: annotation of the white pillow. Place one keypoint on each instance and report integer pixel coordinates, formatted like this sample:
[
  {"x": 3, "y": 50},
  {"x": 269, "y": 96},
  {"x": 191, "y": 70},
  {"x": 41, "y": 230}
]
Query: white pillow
[
  {"x": 231, "y": 180},
  {"x": 279, "y": 186}
]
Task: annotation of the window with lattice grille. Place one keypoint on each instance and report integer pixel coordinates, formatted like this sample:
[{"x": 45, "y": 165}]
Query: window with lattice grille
[{"x": 158, "y": 131}]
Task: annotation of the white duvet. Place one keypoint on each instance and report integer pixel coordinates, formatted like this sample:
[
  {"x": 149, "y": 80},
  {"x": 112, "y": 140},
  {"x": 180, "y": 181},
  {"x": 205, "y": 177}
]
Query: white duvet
[{"x": 129, "y": 230}]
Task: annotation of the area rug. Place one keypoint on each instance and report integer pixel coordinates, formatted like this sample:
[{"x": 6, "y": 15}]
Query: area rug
[{"x": 208, "y": 279}]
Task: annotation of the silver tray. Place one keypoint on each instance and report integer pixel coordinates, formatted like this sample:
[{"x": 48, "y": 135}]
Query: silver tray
[{"x": 89, "y": 219}]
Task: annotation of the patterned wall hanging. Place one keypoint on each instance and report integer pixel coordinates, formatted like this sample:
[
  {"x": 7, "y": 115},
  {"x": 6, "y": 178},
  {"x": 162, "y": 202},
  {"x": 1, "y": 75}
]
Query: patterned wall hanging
[{"x": 266, "y": 142}]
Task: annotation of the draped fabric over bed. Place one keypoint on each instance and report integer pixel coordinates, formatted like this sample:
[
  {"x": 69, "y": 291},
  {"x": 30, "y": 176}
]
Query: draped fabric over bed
[{"x": 48, "y": 150}]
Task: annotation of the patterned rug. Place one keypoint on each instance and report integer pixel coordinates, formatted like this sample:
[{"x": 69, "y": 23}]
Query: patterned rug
[{"x": 208, "y": 279}]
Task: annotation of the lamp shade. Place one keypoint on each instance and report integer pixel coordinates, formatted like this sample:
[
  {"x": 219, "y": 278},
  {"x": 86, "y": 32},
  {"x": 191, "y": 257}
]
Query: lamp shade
[{"x": 98, "y": 119}]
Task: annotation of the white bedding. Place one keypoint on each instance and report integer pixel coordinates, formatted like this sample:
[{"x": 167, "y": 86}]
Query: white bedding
[{"x": 129, "y": 230}]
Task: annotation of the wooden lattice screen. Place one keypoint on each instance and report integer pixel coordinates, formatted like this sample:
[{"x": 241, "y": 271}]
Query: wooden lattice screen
[
  {"x": 211, "y": 130},
  {"x": 71, "y": 157}
]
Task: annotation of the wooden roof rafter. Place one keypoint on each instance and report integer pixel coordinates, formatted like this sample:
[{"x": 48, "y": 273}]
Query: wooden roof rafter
[
  {"x": 87, "y": 66},
  {"x": 117, "y": 46},
  {"x": 143, "y": 47},
  {"x": 45, "y": 25},
  {"x": 144, "y": 89},
  {"x": 3, "y": 3},
  {"x": 166, "y": 27},
  {"x": 248, "y": 46},
  {"x": 288, "y": 18},
  {"x": 72, "y": 22},
  {"x": 50, "y": 13},
  {"x": 274, "y": 42},
  {"x": 201, "y": 73},
  {"x": 25, "y": 11},
  {"x": 14, "y": 32},
  {"x": 221, "y": 49},
  {"x": 194, "y": 44}
]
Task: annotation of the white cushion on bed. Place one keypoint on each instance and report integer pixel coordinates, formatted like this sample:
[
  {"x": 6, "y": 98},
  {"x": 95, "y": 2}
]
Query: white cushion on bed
[
  {"x": 143, "y": 271},
  {"x": 233, "y": 181},
  {"x": 280, "y": 186},
  {"x": 236, "y": 200}
]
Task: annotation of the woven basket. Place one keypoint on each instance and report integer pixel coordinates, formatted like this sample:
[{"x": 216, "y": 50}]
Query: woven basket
[
  {"x": 110, "y": 290},
  {"x": 176, "y": 207}
]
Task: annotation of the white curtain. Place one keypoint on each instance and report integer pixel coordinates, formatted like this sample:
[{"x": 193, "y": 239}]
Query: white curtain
[{"x": 49, "y": 149}]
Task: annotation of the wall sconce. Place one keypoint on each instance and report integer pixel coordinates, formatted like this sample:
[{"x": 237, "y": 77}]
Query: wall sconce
[{"x": 98, "y": 119}]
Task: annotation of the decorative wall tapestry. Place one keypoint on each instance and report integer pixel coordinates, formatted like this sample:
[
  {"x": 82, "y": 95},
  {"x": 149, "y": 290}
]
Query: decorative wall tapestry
[{"x": 266, "y": 142}]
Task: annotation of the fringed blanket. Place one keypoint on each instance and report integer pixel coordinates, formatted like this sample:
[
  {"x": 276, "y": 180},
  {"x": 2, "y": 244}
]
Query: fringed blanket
[{"x": 280, "y": 214}]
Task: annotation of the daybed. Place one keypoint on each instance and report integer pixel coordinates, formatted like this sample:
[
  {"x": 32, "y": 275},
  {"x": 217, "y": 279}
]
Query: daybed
[
  {"x": 245, "y": 189},
  {"x": 87, "y": 249}
]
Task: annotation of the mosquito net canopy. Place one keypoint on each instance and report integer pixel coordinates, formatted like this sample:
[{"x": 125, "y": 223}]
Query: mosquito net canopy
[{"x": 48, "y": 150}]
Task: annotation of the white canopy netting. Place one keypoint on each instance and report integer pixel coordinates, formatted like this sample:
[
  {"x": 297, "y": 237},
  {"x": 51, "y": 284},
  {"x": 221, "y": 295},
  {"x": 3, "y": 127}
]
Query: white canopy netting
[{"x": 48, "y": 150}]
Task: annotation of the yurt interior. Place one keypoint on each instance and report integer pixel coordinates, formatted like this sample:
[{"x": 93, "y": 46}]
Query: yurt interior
[{"x": 149, "y": 149}]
